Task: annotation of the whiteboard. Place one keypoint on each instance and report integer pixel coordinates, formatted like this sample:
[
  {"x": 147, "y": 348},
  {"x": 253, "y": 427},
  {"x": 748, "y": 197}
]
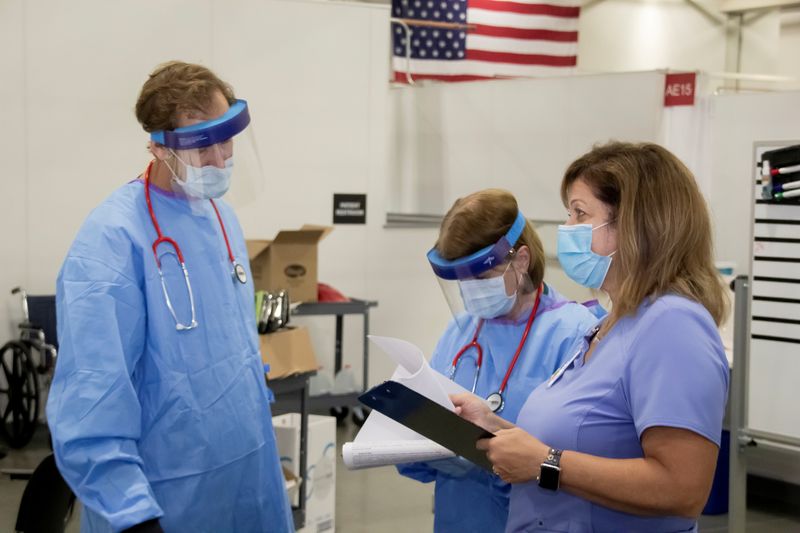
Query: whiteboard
[{"x": 774, "y": 361}]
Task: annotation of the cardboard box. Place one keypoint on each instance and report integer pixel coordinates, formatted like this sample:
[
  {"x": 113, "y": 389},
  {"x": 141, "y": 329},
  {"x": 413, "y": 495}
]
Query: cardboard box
[
  {"x": 289, "y": 262},
  {"x": 291, "y": 482},
  {"x": 320, "y": 466},
  {"x": 288, "y": 351}
]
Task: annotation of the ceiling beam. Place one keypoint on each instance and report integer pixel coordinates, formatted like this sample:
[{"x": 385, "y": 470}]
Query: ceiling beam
[{"x": 739, "y": 6}]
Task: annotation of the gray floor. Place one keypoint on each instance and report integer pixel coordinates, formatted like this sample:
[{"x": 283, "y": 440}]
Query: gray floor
[{"x": 378, "y": 500}]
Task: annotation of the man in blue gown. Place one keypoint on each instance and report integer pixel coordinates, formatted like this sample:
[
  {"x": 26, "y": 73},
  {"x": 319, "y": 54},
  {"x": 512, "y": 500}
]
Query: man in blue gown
[{"x": 159, "y": 409}]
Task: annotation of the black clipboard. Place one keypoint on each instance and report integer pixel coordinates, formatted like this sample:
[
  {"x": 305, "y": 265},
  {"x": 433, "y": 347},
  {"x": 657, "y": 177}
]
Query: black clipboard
[{"x": 429, "y": 419}]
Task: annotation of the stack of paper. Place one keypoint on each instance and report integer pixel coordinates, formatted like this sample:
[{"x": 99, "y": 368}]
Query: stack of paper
[{"x": 382, "y": 441}]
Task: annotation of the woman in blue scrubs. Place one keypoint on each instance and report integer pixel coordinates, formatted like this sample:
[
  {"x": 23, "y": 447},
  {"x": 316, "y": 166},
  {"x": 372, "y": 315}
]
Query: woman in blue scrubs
[
  {"x": 158, "y": 410},
  {"x": 509, "y": 333},
  {"x": 625, "y": 435}
]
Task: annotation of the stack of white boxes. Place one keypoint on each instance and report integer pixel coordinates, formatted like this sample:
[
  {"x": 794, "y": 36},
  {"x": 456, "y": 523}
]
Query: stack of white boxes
[{"x": 320, "y": 476}]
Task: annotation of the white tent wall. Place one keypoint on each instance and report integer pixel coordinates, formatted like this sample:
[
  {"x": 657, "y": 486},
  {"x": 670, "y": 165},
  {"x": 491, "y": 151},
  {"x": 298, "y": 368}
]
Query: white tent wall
[
  {"x": 789, "y": 42},
  {"x": 14, "y": 183},
  {"x": 685, "y": 131},
  {"x": 520, "y": 134}
]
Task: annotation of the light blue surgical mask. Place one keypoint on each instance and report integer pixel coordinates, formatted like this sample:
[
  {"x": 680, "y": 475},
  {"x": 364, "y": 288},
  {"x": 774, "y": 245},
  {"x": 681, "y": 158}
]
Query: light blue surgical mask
[
  {"x": 486, "y": 298},
  {"x": 205, "y": 182},
  {"x": 575, "y": 254}
]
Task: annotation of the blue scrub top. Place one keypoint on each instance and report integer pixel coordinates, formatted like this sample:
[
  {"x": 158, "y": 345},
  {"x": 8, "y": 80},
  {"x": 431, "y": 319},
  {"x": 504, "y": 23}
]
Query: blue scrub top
[
  {"x": 477, "y": 500},
  {"x": 148, "y": 421},
  {"x": 665, "y": 366}
]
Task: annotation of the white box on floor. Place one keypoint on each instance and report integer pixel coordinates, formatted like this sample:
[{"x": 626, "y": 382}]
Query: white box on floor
[{"x": 320, "y": 466}]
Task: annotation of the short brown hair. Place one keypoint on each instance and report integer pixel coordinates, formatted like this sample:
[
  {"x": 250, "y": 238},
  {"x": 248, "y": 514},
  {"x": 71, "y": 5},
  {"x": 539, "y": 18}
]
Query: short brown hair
[
  {"x": 174, "y": 88},
  {"x": 479, "y": 220},
  {"x": 662, "y": 221}
]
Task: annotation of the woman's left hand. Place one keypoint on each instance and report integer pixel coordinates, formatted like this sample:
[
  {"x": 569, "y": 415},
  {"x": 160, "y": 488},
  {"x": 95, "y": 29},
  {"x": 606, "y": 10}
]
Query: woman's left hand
[{"x": 514, "y": 454}]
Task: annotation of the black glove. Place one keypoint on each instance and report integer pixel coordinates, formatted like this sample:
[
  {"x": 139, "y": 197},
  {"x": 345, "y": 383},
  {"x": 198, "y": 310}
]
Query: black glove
[{"x": 151, "y": 526}]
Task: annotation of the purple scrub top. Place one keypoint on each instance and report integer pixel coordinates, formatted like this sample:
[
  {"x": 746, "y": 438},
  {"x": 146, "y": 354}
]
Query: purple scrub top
[{"x": 664, "y": 366}]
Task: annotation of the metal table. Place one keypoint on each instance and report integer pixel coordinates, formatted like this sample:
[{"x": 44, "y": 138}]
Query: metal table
[{"x": 339, "y": 310}]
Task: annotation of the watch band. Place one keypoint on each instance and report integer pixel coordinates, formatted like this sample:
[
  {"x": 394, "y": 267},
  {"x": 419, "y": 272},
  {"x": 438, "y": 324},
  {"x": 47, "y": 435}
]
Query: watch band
[{"x": 554, "y": 457}]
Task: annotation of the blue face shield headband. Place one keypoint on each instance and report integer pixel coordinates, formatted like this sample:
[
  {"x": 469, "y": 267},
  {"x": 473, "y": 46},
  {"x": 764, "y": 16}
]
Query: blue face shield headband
[
  {"x": 479, "y": 262},
  {"x": 207, "y": 133}
]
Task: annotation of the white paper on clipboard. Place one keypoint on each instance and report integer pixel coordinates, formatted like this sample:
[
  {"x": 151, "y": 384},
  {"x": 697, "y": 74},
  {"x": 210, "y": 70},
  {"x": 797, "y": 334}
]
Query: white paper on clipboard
[{"x": 382, "y": 441}]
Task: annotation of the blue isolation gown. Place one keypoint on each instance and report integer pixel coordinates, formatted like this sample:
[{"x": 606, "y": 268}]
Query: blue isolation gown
[
  {"x": 151, "y": 422},
  {"x": 476, "y": 500}
]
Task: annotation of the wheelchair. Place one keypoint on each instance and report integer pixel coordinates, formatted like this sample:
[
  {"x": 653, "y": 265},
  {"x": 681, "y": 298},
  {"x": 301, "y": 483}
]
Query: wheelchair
[{"x": 26, "y": 366}]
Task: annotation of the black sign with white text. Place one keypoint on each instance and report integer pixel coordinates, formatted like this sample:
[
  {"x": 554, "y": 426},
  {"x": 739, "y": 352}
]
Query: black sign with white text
[{"x": 349, "y": 208}]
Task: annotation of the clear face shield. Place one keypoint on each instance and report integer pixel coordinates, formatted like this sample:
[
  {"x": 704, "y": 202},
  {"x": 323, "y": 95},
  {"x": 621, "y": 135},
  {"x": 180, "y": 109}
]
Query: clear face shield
[
  {"x": 492, "y": 283},
  {"x": 214, "y": 158}
]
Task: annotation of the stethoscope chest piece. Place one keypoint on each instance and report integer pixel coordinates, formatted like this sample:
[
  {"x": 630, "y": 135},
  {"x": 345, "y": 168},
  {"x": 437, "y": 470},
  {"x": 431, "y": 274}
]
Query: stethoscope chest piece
[
  {"x": 239, "y": 273},
  {"x": 495, "y": 401}
]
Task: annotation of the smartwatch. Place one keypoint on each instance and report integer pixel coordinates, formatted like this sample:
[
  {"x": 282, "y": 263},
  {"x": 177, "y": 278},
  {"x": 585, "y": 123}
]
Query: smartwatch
[{"x": 550, "y": 470}]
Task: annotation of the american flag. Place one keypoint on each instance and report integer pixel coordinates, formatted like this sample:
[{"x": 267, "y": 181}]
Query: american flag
[{"x": 483, "y": 39}]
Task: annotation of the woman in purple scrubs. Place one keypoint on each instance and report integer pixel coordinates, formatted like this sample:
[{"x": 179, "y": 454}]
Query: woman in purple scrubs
[{"x": 625, "y": 435}]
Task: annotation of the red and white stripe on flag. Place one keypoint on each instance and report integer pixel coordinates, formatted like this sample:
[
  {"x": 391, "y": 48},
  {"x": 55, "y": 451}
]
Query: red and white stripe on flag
[{"x": 520, "y": 38}]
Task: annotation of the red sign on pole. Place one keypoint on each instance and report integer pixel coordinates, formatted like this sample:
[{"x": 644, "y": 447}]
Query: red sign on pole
[{"x": 679, "y": 89}]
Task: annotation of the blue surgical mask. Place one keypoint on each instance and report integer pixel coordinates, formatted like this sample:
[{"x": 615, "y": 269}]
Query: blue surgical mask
[
  {"x": 575, "y": 254},
  {"x": 205, "y": 182},
  {"x": 486, "y": 298}
]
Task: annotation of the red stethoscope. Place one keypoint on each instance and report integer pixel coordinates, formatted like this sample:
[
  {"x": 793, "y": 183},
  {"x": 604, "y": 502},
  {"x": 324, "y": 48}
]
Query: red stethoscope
[
  {"x": 239, "y": 273},
  {"x": 496, "y": 400}
]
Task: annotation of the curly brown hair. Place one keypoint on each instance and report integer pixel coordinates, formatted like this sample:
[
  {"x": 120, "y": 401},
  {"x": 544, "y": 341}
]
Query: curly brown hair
[{"x": 175, "y": 88}]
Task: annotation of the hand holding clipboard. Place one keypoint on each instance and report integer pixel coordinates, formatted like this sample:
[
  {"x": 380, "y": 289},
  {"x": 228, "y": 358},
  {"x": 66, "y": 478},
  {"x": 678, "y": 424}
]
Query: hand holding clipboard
[{"x": 429, "y": 419}]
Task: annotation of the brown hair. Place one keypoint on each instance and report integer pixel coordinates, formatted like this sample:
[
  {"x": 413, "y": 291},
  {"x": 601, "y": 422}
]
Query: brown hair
[
  {"x": 174, "y": 88},
  {"x": 479, "y": 220},
  {"x": 662, "y": 221}
]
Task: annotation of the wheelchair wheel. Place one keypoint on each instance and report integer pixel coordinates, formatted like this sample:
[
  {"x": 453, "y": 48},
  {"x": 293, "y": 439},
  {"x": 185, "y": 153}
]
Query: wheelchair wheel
[{"x": 19, "y": 394}]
